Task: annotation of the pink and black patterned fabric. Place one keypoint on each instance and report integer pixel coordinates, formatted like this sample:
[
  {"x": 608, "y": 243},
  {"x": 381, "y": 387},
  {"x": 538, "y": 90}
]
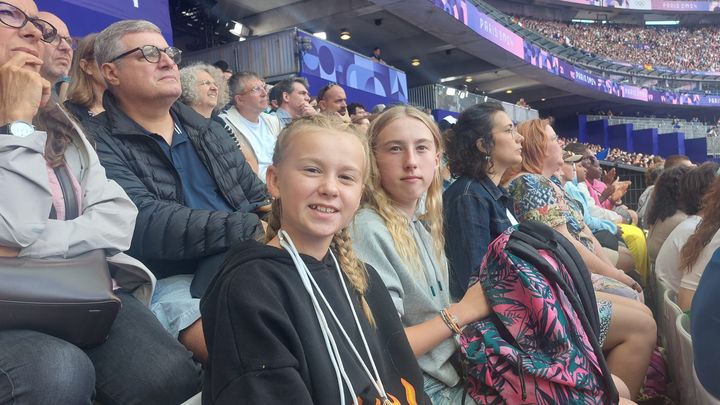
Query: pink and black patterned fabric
[{"x": 540, "y": 345}]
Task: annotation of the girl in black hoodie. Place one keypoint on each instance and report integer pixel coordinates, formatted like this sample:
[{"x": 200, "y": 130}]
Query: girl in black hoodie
[{"x": 299, "y": 319}]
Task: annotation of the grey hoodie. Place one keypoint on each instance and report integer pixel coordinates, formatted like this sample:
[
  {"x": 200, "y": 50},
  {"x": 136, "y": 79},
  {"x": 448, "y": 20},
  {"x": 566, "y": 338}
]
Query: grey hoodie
[{"x": 418, "y": 295}]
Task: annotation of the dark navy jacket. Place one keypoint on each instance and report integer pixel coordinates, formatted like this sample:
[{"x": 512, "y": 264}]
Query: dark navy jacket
[
  {"x": 475, "y": 214},
  {"x": 170, "y": 237}
]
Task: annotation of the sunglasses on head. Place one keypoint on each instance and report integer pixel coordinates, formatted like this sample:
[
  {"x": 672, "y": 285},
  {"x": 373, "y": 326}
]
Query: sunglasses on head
[{"x": 321, "y": 93}]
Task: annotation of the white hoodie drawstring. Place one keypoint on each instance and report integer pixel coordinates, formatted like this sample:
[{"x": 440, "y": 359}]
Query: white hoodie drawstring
[{"x": 330, "y": 343}]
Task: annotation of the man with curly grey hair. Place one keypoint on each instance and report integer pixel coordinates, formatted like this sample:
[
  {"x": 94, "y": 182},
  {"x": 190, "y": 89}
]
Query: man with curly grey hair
[
  {"x": 204, "y": 88},
  {"x": 195, "y": 193}
]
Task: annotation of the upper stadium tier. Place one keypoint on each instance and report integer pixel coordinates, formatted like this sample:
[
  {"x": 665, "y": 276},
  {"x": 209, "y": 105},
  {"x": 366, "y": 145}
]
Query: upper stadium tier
[
  {"x": 652, "y": 5},
  {"x": 681, "y": 49}
]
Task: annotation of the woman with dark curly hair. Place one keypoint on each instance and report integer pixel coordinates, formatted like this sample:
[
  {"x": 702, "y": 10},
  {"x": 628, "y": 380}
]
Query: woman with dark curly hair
[
  {"x": 665, "y": 212},
  {"x": 480, "y": 148}
]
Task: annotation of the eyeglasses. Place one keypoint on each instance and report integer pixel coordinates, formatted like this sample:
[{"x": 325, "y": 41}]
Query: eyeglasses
[
  {"x": 259, "y": 89},
  {"x": 207, "y": 83},
  {"x": 15, "y": 18},
  {"x": 151, "y": 53},
  {"x": 70, "y": 41}
]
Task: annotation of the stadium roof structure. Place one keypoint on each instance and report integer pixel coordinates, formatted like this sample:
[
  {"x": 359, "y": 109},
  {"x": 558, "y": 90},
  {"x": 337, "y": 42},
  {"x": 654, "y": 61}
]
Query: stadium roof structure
[{"x": 404, "y": 30}]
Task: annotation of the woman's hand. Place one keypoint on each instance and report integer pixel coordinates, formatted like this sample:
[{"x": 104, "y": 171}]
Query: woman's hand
[
  {"x": 22, "y": 90},
  {"x": 8, "y": 251},
  {"x": 472, "y": 307}
]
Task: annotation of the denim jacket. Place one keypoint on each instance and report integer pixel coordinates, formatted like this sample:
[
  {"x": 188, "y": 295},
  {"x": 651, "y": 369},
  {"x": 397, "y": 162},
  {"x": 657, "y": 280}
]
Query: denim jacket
[{"x": 475, "y": 214}]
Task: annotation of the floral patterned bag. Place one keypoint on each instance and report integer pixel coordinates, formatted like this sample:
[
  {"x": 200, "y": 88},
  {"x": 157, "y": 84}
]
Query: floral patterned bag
[{"x": 540, "y": 346}]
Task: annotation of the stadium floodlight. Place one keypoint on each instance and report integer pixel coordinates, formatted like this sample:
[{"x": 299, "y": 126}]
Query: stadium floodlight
[
  {"x": 450, "y": 79},
  {"x": 237, "y": 29},
  {"x": 663, "y": 22}
]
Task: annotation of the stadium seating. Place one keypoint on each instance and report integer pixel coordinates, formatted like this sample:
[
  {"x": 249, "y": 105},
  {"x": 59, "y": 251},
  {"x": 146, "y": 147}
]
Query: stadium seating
[{"x": 671, "y": 311}]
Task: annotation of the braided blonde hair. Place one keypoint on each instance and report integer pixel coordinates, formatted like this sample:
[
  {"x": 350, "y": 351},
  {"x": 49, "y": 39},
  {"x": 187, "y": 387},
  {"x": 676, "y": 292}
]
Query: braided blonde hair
[
  {"x": 352, "y": 267},
  {"x": 378, "y": 199}
]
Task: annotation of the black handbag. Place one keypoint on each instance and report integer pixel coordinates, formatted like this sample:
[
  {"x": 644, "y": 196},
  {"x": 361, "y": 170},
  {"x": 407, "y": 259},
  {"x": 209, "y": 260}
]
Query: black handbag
[{"x": 69, "y": 298}]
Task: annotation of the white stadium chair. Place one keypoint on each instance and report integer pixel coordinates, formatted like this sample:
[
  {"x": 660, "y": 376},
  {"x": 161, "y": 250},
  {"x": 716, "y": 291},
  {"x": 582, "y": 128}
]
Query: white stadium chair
[
  {"x": 692, "y": 392},
  {"x": 670, "y": 313}
]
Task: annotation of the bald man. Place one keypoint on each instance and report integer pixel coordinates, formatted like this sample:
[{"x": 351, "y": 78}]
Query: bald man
[
  {"x": 58, "y": 53},
  {"x": 332, "y": 100}
]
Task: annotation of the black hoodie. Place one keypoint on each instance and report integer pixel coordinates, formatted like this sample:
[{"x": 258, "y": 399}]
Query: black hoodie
[{"x": 266, "y": 346}]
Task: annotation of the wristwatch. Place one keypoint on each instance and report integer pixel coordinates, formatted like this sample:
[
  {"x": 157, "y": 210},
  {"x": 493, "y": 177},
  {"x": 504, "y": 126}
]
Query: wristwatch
[{"x": 17, "y": 128}]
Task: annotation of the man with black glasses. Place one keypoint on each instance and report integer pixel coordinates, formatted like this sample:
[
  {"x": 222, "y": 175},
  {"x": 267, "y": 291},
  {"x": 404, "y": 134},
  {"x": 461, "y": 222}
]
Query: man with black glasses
[{"x": 195, "y": 193}]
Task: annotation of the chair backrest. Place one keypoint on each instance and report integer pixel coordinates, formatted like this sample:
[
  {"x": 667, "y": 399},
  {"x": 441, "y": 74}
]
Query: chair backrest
[
  {"x": 659, "y": 288},
  {"x": 684, "y": 367},
  {"x": 671, "y": 311},
  {"x": 692, "y": 392}
]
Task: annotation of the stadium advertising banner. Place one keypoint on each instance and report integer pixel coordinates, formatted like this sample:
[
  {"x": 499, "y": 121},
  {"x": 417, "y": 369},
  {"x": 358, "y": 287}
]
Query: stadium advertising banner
[
  {"x": 541, "y": 58},
  {"x": 653, "y": 5},
  {"x": 88, "y": 16},
  {"x": 335, "y": 64},
  {"x": 486, "y": 26}
]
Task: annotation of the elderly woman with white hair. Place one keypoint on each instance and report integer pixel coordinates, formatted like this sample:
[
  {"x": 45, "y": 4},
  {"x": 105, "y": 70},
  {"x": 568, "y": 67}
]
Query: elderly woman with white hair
[{"x": 204, "y": 88}]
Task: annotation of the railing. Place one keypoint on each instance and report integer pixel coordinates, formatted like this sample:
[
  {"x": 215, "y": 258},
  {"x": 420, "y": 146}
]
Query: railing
[
  {"x": 664, "y": 125},
  {"x": 273, "y": 56},
  {"x": 438, "y": 96},
  {"x": 636, "y": 175}
]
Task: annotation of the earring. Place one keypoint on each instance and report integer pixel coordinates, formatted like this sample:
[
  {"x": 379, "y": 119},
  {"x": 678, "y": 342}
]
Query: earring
[{"x": 487, "y": 158}]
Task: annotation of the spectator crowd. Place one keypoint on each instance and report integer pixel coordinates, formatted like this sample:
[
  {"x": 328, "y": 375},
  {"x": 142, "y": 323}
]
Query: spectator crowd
[
  {"x": 268, "y": 246},
  {"x": 677, "y": 48}
]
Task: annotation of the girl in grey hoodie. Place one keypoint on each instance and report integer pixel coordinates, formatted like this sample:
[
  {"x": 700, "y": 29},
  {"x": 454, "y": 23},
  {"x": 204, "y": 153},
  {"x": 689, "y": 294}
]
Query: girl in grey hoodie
[{"x": 399, "y": 233}]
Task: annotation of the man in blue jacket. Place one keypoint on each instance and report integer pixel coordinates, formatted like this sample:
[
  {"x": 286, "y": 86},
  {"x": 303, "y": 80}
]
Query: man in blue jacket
[{"x": 195, "y": 193}]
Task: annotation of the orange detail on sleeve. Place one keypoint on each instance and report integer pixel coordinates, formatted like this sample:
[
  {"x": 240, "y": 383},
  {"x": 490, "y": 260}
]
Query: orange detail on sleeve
[{"x": 410, "y": 394}]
